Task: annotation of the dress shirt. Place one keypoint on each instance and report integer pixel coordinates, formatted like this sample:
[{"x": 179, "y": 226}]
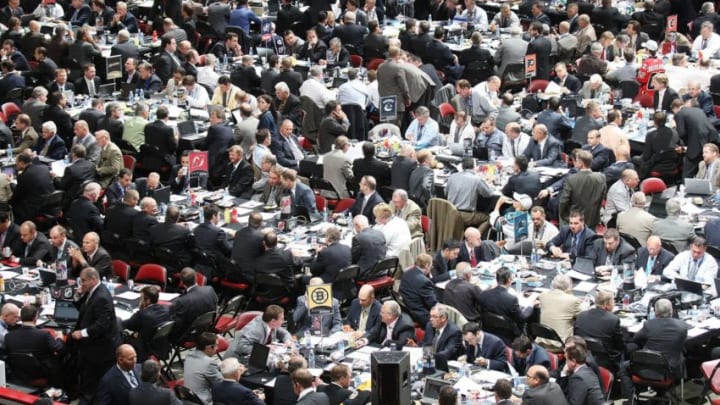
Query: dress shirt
[
  {"x": 710, "y": 47},
  {"x": 424, "y": 135},
  {"x": 504, "y": 24},
  {"x": 129, "y": 376},
  {"x": 458, "y": 134},
  {"x": 362, "y": 323},
  {"x": 397, "y": 236},
  {"x": 477, "y": 17},
  {"x": 373, "y": 94},
  {"x": 259, "y": 153},
  {"x": 493, "y": 141},
  {"x": 91, "y": 86},
  {"x": 389, "y": 328},
  {"x": 317, "y": 92},
  {"x": 513, "y": 148},
  {"x": 206, "y": 75},
  {"x": 682, "y": 264},
  {"x": 198, "y": 97}
]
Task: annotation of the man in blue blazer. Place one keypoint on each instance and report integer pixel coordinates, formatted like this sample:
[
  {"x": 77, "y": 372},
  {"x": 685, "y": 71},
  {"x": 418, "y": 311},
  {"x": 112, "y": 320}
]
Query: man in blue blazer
[
  {"x": 483, "y": 349},
  {"x": 301, "y": 196},
  {"x": 544, "y": 149},
  {"x": 574, "y": 239},
  {"x": 652, "y": 257},
  {"x": 12, "y": 79},
  {"x": 417, "y": 290},
  {"x": 331, "y": 259},
  {"x": 527, "y": 354},
  {"x": 356, "y": 321},
  {"x": 602, "y": 157},
  {"x": 305, "y": 320},
  {"x": 444, "y": 336},
  {"x": 366, "y": 199},
  {"x": 229, "y": 391},
  {"x": 50, "y": 145},
  {"x": 118, "y": 380}
]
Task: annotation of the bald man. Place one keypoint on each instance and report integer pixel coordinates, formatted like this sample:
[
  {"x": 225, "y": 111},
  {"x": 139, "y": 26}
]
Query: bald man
[
  {"x": 115, "y": 385},
  {"x": 473, "y": 250},
  {"x": 653, "y": 258},
  {"x": 8, "y": 318},
  {"x": 364, "y": 312},
  {"x": 541, "y": 390},
  {"x": 92, "y": 255}
]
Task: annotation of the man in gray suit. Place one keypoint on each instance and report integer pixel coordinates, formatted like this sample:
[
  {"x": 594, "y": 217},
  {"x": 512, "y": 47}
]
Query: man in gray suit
[
  {"x": 245, "y": 130},
  {"x": 396, "y": 77},
  {"x": 35, "y": 106},
  {"x": 511, "y": 51},
  {"x": 463, "y": 191},
  {"x": 263, "y": 329},
  {"x": 583, "y": 191},
  {"x": 202, "y": 368},
  {"x": 672, "y": 229},
  {"x": 636, "y": 221},
  {"x": 582, "y": 386},
  {"x": 368, "y": 245},
  {"x": 84, "y": 138},
  {"x": 337, "y": 166},
  {"x": 303, "y": 386}
]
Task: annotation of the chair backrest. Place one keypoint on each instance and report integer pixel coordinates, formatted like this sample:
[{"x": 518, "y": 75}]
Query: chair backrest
[
  {"x": 667, "y": 245},
  {"x": 246, "y": 317},
  {"x": 163, "y": 331},
  {"x": 356, "y": 61},
  {"x": 129, "y": 162},
  {"x": 499, "y": 326},
  {"x": 233, "y": 306},
  {"x": 456, "y": 317},
  {"x": 538, "y": 330},
  {"x": 631, "y": 240},
  {"x": 652, "y": 185},
  {"x": 445, "y": 223},
  {"x": 152, "y": 274},
  {"x": 537, "y": 86},
  {"x": 649, "y": 365},
  {"x": 383, "y": 267},
  {"x": 606, "y": 381},
  {"x": 344, "y": 284},
  {"x": 628, "y": 89},
  {"x": 203, "y": 323},
  {"x": 271, "y": 289},
  {"x": 324, "y": 185},
  {"x": 320, "y": 202},
  {"x": 26, "y": 367},
  {"x": 186, "y": 395},
  {"x": 121, "y": 269},
  {"x": 344, "y": 204},
  {"x": 375, "y": 63}
]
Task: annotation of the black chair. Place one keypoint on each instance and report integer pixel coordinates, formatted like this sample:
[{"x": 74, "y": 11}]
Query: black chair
[
  {"x": 271, "y": 289},
  {"x": 202, "y": 323},
  {"x": 358, "y": 122},
  {"x": 28, "y": 370},
  {"x": 603, "y": 357},
  {"x": 538, "y": 330},
  {"x": 631, "y": 240},
  {"x": 51, "y": 210},
  {"x": 667, "y": 245},
  {"x": 112, "y": 243},
  {"x": 205, "y": 263},
  {"x": 343, "y": 286},
  {"x": 499, "y": 326},
  {"x": 226, "y": 320},
  {"x": 186, "y": 395},
  {"x": 477, "y": 71},
  {"x": 571, "y": 145},
  {"x": 139, "y": 251},
  {"x": 514, "y": 77},
  {"x": 628, "y": 89},
  {"x": 326, "y": 189},
  {"x": 160, "y": 347},
  {"x": 380, "y": 276},
  {"x": 650, "y": 369},
  {"x": 12, "y": 96},
  {"x": 167, "y": 258},
  {"x": 243, "y": 39}
]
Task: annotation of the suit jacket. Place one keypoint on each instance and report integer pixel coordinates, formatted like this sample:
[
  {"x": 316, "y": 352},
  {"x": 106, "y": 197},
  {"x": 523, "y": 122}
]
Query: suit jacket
[
  {"x": 376, "y": 46},
  {"x": 438, "y": 54},
  {"x": 81, "y": 86},
  {"x": 84, "y": 217},
  {"x": 602, "y": 157},
  {"x": 151, "y": 394},
  {"x": 200, "y": 372},
  {"x": 101, "y": 261},
  {"x": 493, "y": 349},
  {"x": 487, "y": 251},
  {"x": 281, "y": 148},
  {"x": 219, "y": 139},
  {"x": 558, "y": 310},
  {"x": 303, "y": 321},
  {"x": 246, "y": 78},
  {"x": 351, "y": 34},
  {"x": 330, "y": 128},
  {"x": 55, "y": 150},
  {"x": 233, "y": 393},
  {"x": 211, "y": 239},
  {"x": 418, "y": 293},
  {"x": 402, "y": 331},
  {"x": 330, "y": 261},
  {"x": 126, "y": 50},
  {"x": 92, "y": 116},
  {"x": 239, "y": 180},
  {"x": 675, "y": 231},
  {"x": 38, "y": 250},
  {"x": 599, "y": 324},
  {"x": 465, "y": 297},
  {"x": 159, "y": 134},
  {"x": 291, "y": 110},
  {"x": 338, "y": 395},
  {"x": 13, "y": 241},
  {"x": 45, "y": 71},
  {"x": 666, "y": 335},
  {"x": 373, "y": 200},
  {"x": 669, "y": 96},
  {"x": 563, "y": 240},
  {"x": 32, "y": 340},
  {"x": 97, "y": 316},
  {"x": 114, "y": 387},
  {"x": 636, "y": 222},
  {"x": 541, "y": 47},
  {"x": 314, "y": 398},
  {"x": 524, "y": 183},
  {"x": 73, "y": 178},
  {"x": 499, "y": 301},
  {"x": 583, "y": 387},
  {"x": 441, "y": 268},
  {"x": 372, "y": 167},
  {"x": 32, "y": 185},
  {"x": 119, "y": 219},
  {"x": 661, "y": 260},
  {"x": 247, "y": 247},
  {"x": 109, "y": 165},
  {"x": 694, "y": 130},
  {"x": 448, "y": 344},
  {"x": 337, "y": 169},
  {"x": 353, "y": 317},
  {"x": 185, "y": 308},
  {"x": 256, "y": 331},
  {"x": 165, "y": 65},
  {"x": 550, "y": 155},
  {"x": 62, "y": 256},
  {"x": 145, "y": 322},
  {"x": 392, "y": 80},
  {"x": 177, "y": 238},
  {"x": 511, "y": 51},
  {"x": 279, "y": 262},
  {"x": 292, "y": 78},
  {"x": 141, "y": 225},
  {"x": 400, "y": 172},
  {"x": 623, "y": 254},
  {"x": 546, "y": 394},
  {"x": 303, "y": 200},
  {"x": 368, "y": 247},
  {"x": 315, "y": 53},
  {"x": 583, "y": 191}
]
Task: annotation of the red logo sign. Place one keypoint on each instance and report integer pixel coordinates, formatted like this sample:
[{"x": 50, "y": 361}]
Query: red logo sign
[{"x": 197, "y": 161}]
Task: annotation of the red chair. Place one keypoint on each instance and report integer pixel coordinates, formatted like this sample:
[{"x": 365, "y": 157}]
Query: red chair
[
  {"x": 606, "y": 381},
  {"x": 202, "y": 61},
  {"x": 645, "y": 100},
  {"x": 129, "y": 162},
  {"x": 374, "y": 64},
  {"x": 356, "y": 61},
  {"x": 305, "y": 143},
  {"x": 712, "y": 380},
  {"x": 320, "y": 202},
  {"x": 221, "y": 345},
  {"x": 228, "y": 317},
  {"x": 200, "y": 280},
  {"x": 425, "y": 223},
  {"x": 380, "y": 277},
  {"x": 121, "y": 269},
  {"x": 152, "y": 274},
  {"x": 245, "y": 319},
  {"x": 419, "y": 335},
  {"x": 652, "y": 185},
  {"x": 553, "y": 360},
  {"x": 10, "y": 110},
  {"x": 650, "y": 369},
  {"x": 446, "y": 109},
  {"x": 344, "y": 204},
  {"x": 537, "y": 86}
]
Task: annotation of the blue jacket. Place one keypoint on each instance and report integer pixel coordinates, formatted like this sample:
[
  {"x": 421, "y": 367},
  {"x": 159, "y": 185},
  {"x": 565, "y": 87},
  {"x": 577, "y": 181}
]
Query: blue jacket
[
  {"x": 538, "y": 355},
  {"x": 304, "y": 198},
  {"x": 242, "y": 16},
  {"x": 492, "y": 349},
  {"x": 418, "y": 293}
]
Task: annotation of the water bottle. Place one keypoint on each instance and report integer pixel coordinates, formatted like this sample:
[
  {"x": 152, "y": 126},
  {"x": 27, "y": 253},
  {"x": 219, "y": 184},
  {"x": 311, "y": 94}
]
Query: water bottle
[
  {"x": 311, "y": 358},
  {"x": 642, "y": 127},
  {"x": 461, "y": 372},
  {"x": 341, "y": 346},
  {"x": 614, "y": 276},
  {"x": 518, "y": 285},
  {"x": 131, "y": 98},
  {"x": 9, "y": 151},
  {"x": 325, "y": 214},
  {"x": 651, "y": 314},
  {"x": 534, "y": 257},
  {"x": 225, "y": 61},
  {"x": 142, "y": 94},
  {"x": 491, "y": 154},
  {"x": 419, "y": 366},
  {"x": 201, "y": 216},
  {"x": 558, "y": 268},
  {"x": 141, "y": 37},
  {"x": 349, "y": 219}
]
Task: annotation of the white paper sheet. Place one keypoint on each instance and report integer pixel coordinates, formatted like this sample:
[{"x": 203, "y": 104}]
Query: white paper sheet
[
  {"x": 578, "y": 276},
  {"x": 585, "y": 286},
  {"x": 128, "y": 295},
  {"x": 168, "y": 296}
]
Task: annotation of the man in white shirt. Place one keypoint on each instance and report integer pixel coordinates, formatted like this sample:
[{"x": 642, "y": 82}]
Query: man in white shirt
[
  {"x": 314, "y": 88},
  {"x": 460, "y": 130},
  {"x": 372, "y": 89},
  {"x": 354, "y": 91},
  {"x": 206, "y": 74},
  {"x": 504, "y": 20},
  {"x": 423, "y": 131},
  {"x": 695, "y": 264},
  {"x": 515, "y": 142},
  {"x": 197, "y": 96},
  {"x": 396, "y": 232},
  {"x": 708, "y": 42},
  {"x": 475, "y": 16}
]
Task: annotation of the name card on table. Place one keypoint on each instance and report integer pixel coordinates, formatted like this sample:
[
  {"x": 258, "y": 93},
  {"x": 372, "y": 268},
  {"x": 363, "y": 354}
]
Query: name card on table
[{"x": 319, "y": 296}]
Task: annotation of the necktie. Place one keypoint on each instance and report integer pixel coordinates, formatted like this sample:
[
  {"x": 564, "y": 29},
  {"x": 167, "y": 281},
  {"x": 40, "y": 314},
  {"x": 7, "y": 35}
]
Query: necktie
[
  {"x": 435, "y": 339},
  {"x": 609, "y": 259},
  {"x": 457, "y": 134},
  {"x": 45, "y": 148},
  {"x": 473, "y": 259},
  {"x": 693, "y": 270},
  {"x": 316, "y": 323},
  {"x": 708, "y": 172},
  {"x": 503, "y": 22},
  {"x": 268, "y": 340},
  {"x": 61, "y": 88},
  {"x": 133, "y": 380},
  {"x": 573, "y": 246},
  {"x": 512, "y": 143},
  {"x": 364, "y": 204},
  {"x": 91, "y": 87},
  {"x": 27, "y": 249},
  {"x": 297, "y": 153},
  {"x": 704, "y": 43},
  {"x": 363, "y": 320},
  {"x": 225, "y": 99},
  {"x": 650, "y": 264}
]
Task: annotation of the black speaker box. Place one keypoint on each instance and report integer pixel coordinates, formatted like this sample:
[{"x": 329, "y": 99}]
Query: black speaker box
[{"x": 390, "y": 376}]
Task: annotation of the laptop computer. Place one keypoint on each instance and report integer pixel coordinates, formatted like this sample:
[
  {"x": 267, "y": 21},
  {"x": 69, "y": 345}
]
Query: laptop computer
[
  {"x": 697, "y": 187},
  {"x": 162, "y": 195},
  {"x": 431, "y": 392},
  {"x": 126, "y": 89},
  {"x": 186, "y": 128},
  {"x": 584, "y": 265},
  {"x": 257, "y": 363},
  {"x": 694, "y": 287},
  {"x": 106, "y": 90},
  {"x": 47, "y": 277},
  {"x": 65, "y": 314}
]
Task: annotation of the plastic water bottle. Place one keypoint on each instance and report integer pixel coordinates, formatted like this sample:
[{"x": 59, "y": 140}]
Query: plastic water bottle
[
  {"x": 141, "y": 37},
  {"x": 349, "y": 219},
  {"x": 534, "y": 257},
  {"x": 491, "y": 155},
  {"x": 325, "y": 214},
  {"x": 311, "y": 358},
  {"x": 131, "y": 98},
  {"x": 651, "y": 314},
  {"x": 225, "y": 61},
  {"x": 9, "y": 151},
  {"x": 419, "y": 367},
  {"x": 518, "y": 285},
  {"x": 341, "y": 346},
  {"x": 201, "y": 216},
  {"x": 614, "y": 276},
  {"x": 142, "y": 94}
]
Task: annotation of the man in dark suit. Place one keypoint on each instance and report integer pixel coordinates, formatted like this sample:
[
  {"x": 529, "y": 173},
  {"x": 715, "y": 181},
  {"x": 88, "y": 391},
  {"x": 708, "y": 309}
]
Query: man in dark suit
[
  {"x": 144, "y": 323},
  {"x": 664, "y": 334},
  {"x": 394, "y": 328},
  {"x": 607, "y": 16},
  {"x": 444, "y": 261},
  {"x": 369, "y": 166},
  {"x": 663, "y": 95},
  {"x": 219, "y": 139},
  {"x": 93, "y": 114},
  {"x": 44, "y": 72},
  {"x": 209, "y": 237},
  {"x": 482, "y": 348},
  {"x": 119, "y": 218},
  {"x": 366, "y": 199},
  {"x": 583, "y": 191},
  {"x": 367, "y": 247},
  {"x": 474, "y": 250},
  {"x": 80, "y": 171},
  {"x": 96, "y": 334},
  {"x": 549, "y": 153},
  {"x": 176, "y": 239},
  {"x": 89, "y": 83},
  {"x": 196, "y": 301},
  {"x": 653, "y": 258},
  {"x": 376, "y": 44},
  {"x": 161, "y": 136},
  {"x": 582, "y": 384},
  {"x": 276, "y": 261},
  {"x": 292, "y": 78},
  {"x": 148, "y": 392},
  {"x": 229, "y": 391},
  {"x": 60, "y": 248},
  {"x": 542, "y": 391},
  {"x": 302, "y": 198},
  {"x": 124, "y": 47},
  {"x": 601, "y": 323},
  {"x": 245, "y": 76},
  {"x": 148, "y": 80},
  {"x": 50, "y": 144},
  {"x": 78, "y": 14},
  {"x": 28, "y": 339},
  {"x": 417, "y": 290},
  {"x": 602, "y": 157},
  {"x": 84, "y": 215},
  {"x": 574, "y": 239},
  {"x": 167, "y": 62},
  {"x": 285, "y": 146},
  {"x": 335, "y": 123},
  {"x": 442, "y": 335},
  {"x": 612, "y": 250},
  {"x": 332, "y": 258},
  {"x": 238, "y": 175},
  {"x": 694, "y": 130},
  {"x": 123, "y": 20},
  {"x": 36, "y": 246},
  {"x": 92, "y": 255},
  {"x": 402, "y": 167},
  {"x": 418, "y": 44},
  {"x": 314, "y": 48},
  {"x": 593, "y": 119},
  {"x": 437, "y": 52},
  {"x": 522, "y": 181},
  {"x": 112, "y": 122},
  {"x": 115, "y": 385},
  {"x": 10, "y": 234},
  {"x": 288, "y": 105},
  {"x": 303, "y": 386},
  {"x": 339, "y": 391},
  {"x": 499, "y": 301},
  {"x": 364, "y": 311},
  {"x": 145, "y": 220},
  {"x": 463, "y": 295},
  {"x": 566, "y": 80},
  {"x": 33, "y": 183},
  {"x": 350, "y": 33},
  {"x": 247, "y": 247},
  {"x": 540, "y": 46}
]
